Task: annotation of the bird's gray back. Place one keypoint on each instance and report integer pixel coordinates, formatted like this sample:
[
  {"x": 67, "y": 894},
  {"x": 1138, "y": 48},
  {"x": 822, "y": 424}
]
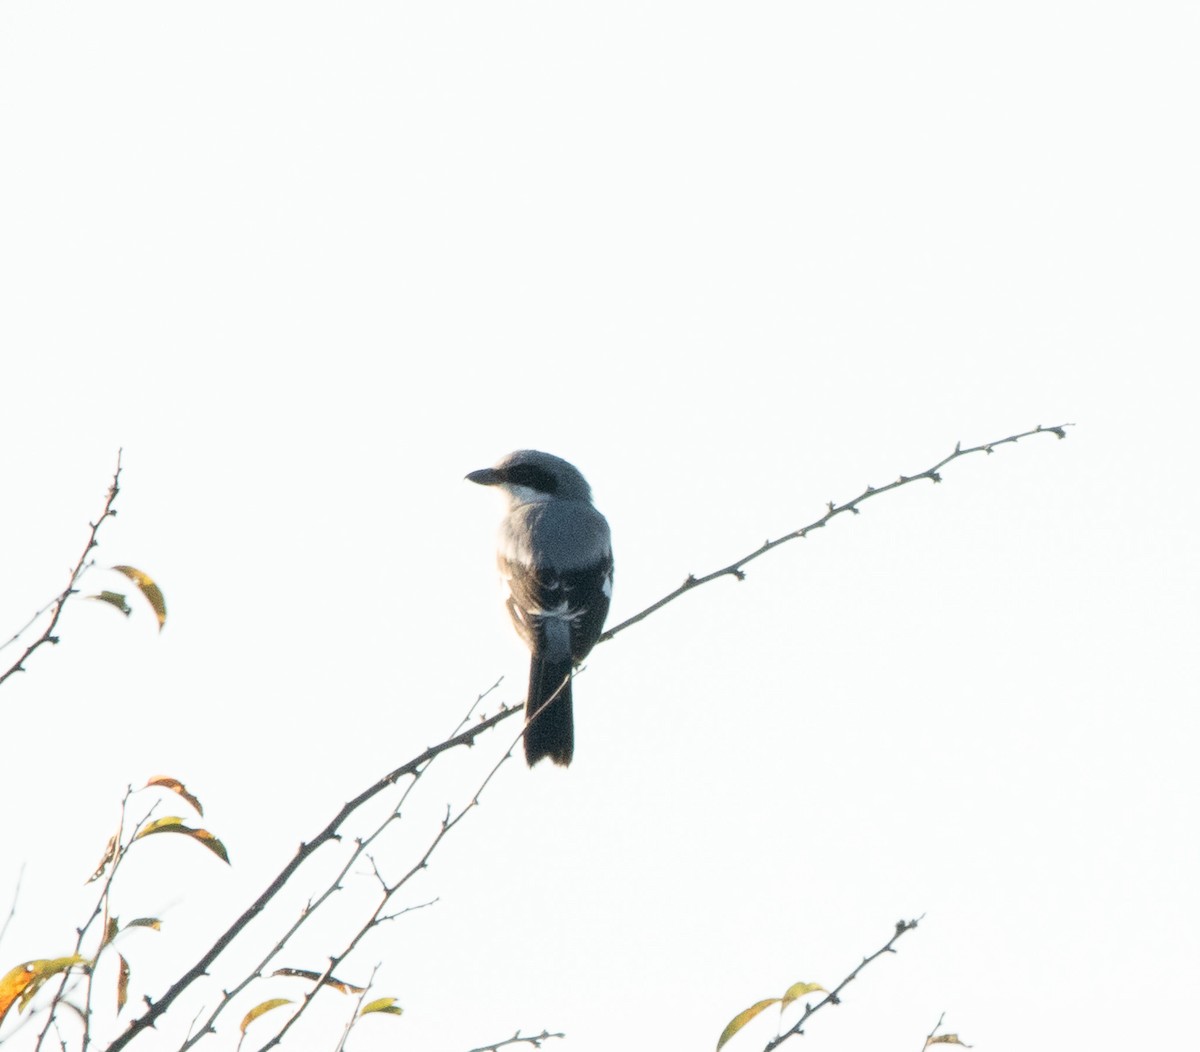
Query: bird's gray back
[{"x": 563, "y": 534}]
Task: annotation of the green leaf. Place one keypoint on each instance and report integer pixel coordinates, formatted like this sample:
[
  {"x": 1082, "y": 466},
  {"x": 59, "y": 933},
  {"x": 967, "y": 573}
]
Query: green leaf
[
  {"x": 174, "y": 824},
  {"x": 263, "y": 1009},
  {"x": 113, "y": 599},
  {"x": 742, "y": 1018},
  {"x": 387, "y": 1005},
  {"x": 798, "y": 990},
  {"x": 149, "y": 589}
]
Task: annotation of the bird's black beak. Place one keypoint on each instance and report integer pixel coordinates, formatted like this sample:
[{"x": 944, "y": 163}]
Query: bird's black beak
[{"x": 485, "y": 477}]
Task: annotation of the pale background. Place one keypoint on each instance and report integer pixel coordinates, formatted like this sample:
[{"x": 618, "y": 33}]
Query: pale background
[{"x": 310, "y": 264}]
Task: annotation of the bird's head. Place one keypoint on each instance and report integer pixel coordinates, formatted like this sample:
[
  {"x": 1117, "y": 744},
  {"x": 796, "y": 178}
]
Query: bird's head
[{"x": 530, "y": 476}]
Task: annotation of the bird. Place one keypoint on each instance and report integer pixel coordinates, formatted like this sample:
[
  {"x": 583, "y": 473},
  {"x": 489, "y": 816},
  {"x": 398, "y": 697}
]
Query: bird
[{"x": 555, "y": 555}]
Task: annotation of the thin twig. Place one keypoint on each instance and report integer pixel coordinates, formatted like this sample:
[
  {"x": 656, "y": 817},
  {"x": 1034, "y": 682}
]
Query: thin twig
[
  {"x": 389, "y": 890},
  {"x": 471, "y": 711},
  {"x": 936, "y": 1027},
  {"x": 736, "y": 568},
  {"x": 934, "y": 1038},
  {"x": 533, "y": 1039},
  {"x": 834, "y": 996},
  {"x": 118, "y": 849},
  {"x": 354, "y": 1016},
  {"x": 56, "y": 606},
  {"x": 360, "y": 846},
  {"x": 12, "y": 909},
  {"x": 155, "y": 1009}
]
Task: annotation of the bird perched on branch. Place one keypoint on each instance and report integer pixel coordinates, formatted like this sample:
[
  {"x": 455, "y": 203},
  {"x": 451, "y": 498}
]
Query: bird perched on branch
[{"x": 555, "y": 555}]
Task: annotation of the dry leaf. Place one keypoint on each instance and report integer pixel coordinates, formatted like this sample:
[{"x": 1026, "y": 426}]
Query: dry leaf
[{"x": 176, "y": 786}]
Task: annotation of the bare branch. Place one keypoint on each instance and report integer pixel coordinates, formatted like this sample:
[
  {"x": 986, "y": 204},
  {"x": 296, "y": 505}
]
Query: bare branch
[
  {"x": 388, "y": 891},
  {"x": 113, "y": 857},
  {"x": 466, "y": 736},
  {"x": 56, "y": 606},
  {"x": 532, "y": 1039},
  {"x": 361, "y": 844},
  {"x": 934, "y": 1038},
  {"x": 331, "y": 832},
  {"x": 936, "y": 1027},
  {"x": 12, "y": 909},
  {"x": 834, "y": 996},
  {"x": 736, "y": 568},
  {"x": 354, "y": 1015}
]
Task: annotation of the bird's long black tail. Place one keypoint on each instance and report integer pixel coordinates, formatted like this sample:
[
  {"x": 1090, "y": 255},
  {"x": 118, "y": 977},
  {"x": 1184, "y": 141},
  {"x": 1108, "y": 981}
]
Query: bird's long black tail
[{"x": 549, "y": 721}]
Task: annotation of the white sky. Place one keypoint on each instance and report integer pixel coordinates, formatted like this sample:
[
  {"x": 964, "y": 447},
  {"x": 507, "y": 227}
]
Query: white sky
[{"x": 310, "y": 264}]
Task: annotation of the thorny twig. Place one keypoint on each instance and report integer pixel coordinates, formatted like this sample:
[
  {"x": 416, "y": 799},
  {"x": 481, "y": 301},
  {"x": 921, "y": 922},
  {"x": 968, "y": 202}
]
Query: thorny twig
[
  {"x": 936, "y": 1027},
  {"x": 113, "y": 856},
  {"x": 388, "y": 890},
  {"x": 12, "y": 909},
  {"x": 834, "y": 996},
  {"x": 945, "y": 1039},
  {"x": 355, "y": 1015},
  {"x": 56, "y": 606},
  {"x": 360, "y": 846},
  {"x": 735, "y": 569},
  {"x": 531, "y": 1039},
  {"x": 155, "y": 1009}
]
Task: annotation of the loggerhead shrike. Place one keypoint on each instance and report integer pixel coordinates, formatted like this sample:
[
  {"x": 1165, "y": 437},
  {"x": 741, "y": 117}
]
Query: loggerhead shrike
[{"x": 556, "y": 558}]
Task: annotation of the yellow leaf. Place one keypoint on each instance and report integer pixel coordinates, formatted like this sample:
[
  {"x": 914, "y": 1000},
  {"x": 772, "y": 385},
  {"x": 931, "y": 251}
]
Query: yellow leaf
[
  {"x": 26, "y": 979},
  {"x": 742, "y": 1018},
  {"x": 122, "y": 982},
  {"x": 110, "y": 932},
  {"x": 12, "y": 985},
  {"x": 304, "y": 973},
  {"x": 145, "y": 922},
  {"x": 149, "y": 589},
  {"x": 113, "y": 599},
  {"x": 946, "y": 1039},
  {"x": 262, "y": 1009},
  {"x": 174, "y": 824},
  {"x": 798, "y": 990},
  {"x": 387, "y": 1005},
  {"x": 166, "y": 782}
]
